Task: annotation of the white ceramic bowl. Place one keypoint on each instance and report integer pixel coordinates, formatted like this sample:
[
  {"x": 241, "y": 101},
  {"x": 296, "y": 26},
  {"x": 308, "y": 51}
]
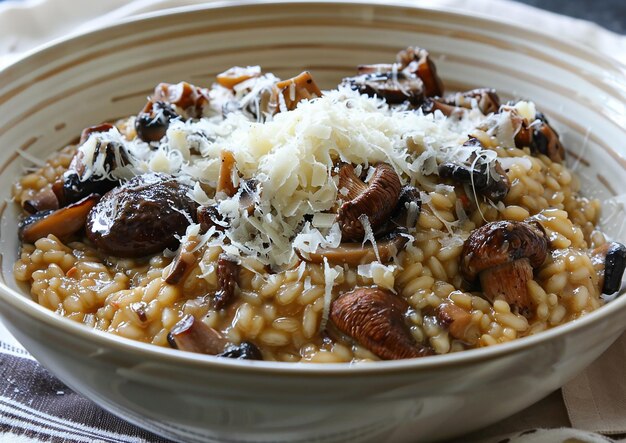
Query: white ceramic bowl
[{"x": 47, "y": 98}]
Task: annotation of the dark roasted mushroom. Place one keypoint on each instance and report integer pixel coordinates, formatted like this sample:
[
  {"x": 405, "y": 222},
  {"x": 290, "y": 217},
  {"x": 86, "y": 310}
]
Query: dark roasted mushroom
[
  {"x": 486, "y": 178},
  {"x": 609, "y": 260},
  {"x": 394, "y": 86},
  {"x": 188, "y": 98},
  {"x": 152, "y": 122},
  {"x": 104, "y": 127},
  {"x": 537, "y": 135},
  {"x": 209, "y": 216},
  {"x": 375, "y": 318},
  {"x": 408, "y": 209},
  {"x": 183, "y": 262},
  {"x": 456, "y": 319},
  {"x": 141, "y": 217},
  {"x": 503, "y": 254},
  {"x": 62, "y": 222},
  {"x": 244, "y": 351},
  {"x": 432, "y": 104},
  {"x": 417, "y": 61},
  {"x": 227, "y": 276},
  {"x": 374, "y": 200},
  {"x": 356, "y": 254},
  {"x": 192, "y": 335},
  {"x": 288, "y": 93}
]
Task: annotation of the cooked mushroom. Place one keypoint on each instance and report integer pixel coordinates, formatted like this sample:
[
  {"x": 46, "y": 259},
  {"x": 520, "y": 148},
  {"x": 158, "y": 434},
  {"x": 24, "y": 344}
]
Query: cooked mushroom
[
  {"x": 408, "y": 209},
  {"x": 141, "y": 217},
  {"x": 356, "y": 254},
  {"x": 486, "y": 178},
  {"x": 537, "y": 135},
  {"x": 183, "y": 262},
  {"x": 225, "y": 185},
  {"x": 288, "y": 93},
  {"x": 456, "y": 319},
  {"x": 374, "y": 200},
  {"x": 227, "y": 276},
  {"x": 152, "y": 122},
  {"x": 375, "y": 318},
  {"x": 244, "y": 351},
  {"x": 104, "y": 127},
  {"x": 503, "y": 254},
  {"x": 209, "y": 216},
  {"x": 432, "y": 104},
  {"x": 394, "y": 86},
  {"x": 417, "y": 61},
  {"x": 192, "y": 335},
  {"x": 188, "y": 98},
  {"x": 91, "y": 175},
  {"x": 62, "y": 222},
  {"x": 236, "y": 75},
  {"x": 44, "y": 200},
  {"x": 609, "y": 260},
  {"x": 486, "y": 99}
]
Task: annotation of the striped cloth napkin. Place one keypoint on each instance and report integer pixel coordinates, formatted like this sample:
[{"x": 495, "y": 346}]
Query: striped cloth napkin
[{"x": 36, "y": 407}]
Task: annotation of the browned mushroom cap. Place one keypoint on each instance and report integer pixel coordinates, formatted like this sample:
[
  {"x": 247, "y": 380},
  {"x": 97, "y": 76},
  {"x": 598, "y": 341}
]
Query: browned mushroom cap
[
  {"x": 609, "y": 260},
  {"x": 503, "y": 254},
  {"x": 104, "y": 127},
  {"x": 44, "y": 200},
  {"x": 486, "y": 99},
  {"x": 227, "y": 276},
  {"x": 152, "y": 122},
  {"x": 236, "y": 75},
  {"x": 293, "y": 91},
  {"x": 192, "y": 335},
  {"x": 539, "y": 136},
  {"x": 191, "y": 99},
  {"x": 457, "y": 320},
  {"x": 374, "y": 317},
  {"x": 374, "y": 200},
  {"x": 62, "y": 222},
  {"x": 142, "y": 217},
  {"x": 486, "y": 178},
  {"x": 417, "y": 61},
  {"x": 394, "y": 87},
  {"x": 355, "y": 254}
]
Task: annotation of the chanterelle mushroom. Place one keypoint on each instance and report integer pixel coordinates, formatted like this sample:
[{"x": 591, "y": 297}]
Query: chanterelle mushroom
[
  {"x": 610, "y": 261},
  {"x": 374, "y": 317},
  {"x": 417, "y": 61},
  {"x": 374, "y": 200},
  {"x": 503, "y": 255}
]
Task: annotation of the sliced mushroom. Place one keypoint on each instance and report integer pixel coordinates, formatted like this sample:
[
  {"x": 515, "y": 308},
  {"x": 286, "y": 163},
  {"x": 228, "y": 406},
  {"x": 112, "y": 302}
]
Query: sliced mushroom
[
  {"x": 236, "y": 75},
  {"x": 44, "y": 200},
  {"x": 225, "y": 185},
  {"x": 394, "y": 86},
  {"x": 62, "y": 222},
  {"x": 188, "y": 98},
  {"x": 192, "y": 335},
  {"x": 486, "y": 178},
  {"x": 227, "y": 277},
  {"x": 375, "y": 318},
  {"x": 209, "y": 216},
  {"x": 456, "y": 319},
  {"x": 609, "y": 260},
  {"x": 152, "y": 122},
  {"x": 408, "y": 209},
  {"x": 143, "y": 216},
  {"x": 503, "y": 254},
  {"x": 486, "y": 99},
  {"x": 374, "y": 200},
  {"x": 244, "y": 351},
  {"x": 288, "y": 93},
  {"x": 183, "y": 262},
  {"x": 432, "y": 104},
  {"x": 356, "y": 254},
  {"x": 417, "y": 61}
]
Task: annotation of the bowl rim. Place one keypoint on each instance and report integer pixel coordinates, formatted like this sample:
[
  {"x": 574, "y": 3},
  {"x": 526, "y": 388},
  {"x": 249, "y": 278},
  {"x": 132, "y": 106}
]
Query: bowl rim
[{"x": 108, "y": 340}]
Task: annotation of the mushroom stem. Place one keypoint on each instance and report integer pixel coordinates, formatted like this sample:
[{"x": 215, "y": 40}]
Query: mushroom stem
[
  {"x": 509, "y": 282},
  {"x": 225, "y": 183},
  {"x": 191, "y": 334},
  {"x": 458, "y": 322},
  {"x": 183, "y": 263}
]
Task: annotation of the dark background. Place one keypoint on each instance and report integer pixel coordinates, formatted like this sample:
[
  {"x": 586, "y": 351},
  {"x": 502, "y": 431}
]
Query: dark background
[{"x": 608, "y": 13}]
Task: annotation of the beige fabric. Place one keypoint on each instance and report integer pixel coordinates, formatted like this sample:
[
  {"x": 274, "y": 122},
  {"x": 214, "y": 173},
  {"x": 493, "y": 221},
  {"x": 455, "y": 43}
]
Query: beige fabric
[{"x": 596, "y": 398}]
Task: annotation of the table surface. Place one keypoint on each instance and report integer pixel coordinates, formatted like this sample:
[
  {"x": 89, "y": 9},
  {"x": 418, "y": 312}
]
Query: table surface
[{"x": 610, "y": 14}]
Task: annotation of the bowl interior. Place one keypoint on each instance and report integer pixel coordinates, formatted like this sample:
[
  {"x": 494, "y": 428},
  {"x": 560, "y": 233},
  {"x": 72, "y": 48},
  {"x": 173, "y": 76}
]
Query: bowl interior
[{"x": 49, "y": 97}]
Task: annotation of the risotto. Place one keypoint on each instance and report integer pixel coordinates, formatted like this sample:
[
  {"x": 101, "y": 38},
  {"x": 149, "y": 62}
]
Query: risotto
[{"x": 265, "y": 219}]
